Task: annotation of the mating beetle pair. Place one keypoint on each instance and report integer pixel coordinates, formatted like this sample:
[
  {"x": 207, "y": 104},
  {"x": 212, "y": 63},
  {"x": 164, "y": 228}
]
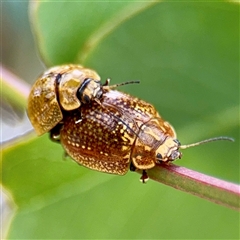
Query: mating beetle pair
[{"x": 101, "y": 128}]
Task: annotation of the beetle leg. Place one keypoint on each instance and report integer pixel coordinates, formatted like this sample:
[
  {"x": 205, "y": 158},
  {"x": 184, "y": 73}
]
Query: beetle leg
[
  {"x": 107, "y": 82},
  {"x": 55, "y": 133},
  {"x": 132, "y": 167},
  {"x": 65, "y": 155},
  {"x": 144, "y": 178}
]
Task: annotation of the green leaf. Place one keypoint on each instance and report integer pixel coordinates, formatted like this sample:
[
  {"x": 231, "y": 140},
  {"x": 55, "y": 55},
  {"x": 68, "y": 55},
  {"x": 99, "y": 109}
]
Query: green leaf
[
  {"x": 186, "y": 56},
  {"x": 79, "y": 27}
]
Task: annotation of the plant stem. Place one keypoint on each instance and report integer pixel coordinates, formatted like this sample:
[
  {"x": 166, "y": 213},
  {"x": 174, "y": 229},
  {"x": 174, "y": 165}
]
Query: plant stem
[
  {"x": 13, "y": 88},
  {"x": 201, "y": 185}
]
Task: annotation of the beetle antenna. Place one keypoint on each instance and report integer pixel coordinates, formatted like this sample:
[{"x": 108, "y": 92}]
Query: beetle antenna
[
  {"x": 206, "y": 141},
  {"x": 107, "y": 87}
]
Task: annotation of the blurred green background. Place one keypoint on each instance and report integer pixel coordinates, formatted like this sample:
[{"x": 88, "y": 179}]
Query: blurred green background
[{"x": 187, "y": 58}]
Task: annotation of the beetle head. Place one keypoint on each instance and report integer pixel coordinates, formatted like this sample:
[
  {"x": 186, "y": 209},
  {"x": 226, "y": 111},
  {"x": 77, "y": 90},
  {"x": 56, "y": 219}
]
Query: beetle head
[
  {"x": 168, "y": 151},
  {"x": 89, "y": 90}
]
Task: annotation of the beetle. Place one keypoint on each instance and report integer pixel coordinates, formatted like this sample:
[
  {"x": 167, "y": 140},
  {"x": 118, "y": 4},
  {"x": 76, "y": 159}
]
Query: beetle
[
  {"x": 60, "y": 87},
  {"x": 63, "y": 88},
  {"x": 101, "y": 128},
  {"x": 133, "y": 136}
]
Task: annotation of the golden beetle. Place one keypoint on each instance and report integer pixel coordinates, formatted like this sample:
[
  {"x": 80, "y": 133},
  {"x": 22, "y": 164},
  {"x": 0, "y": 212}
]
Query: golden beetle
[
  {"x": 133, "y": 136},
  {"x": 100, "y": 128},
  {"x": 61, "y": 88}
]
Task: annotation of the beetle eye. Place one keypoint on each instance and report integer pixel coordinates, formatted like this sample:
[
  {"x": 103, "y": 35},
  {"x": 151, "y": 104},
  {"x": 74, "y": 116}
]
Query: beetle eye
[
  {"x": 177, "y": 141},
  {"x": 175, "y": 155},
  {"x": 99, "y": 94},
  {"x": 86, "y": 99},
  {"x": 159, "y": 156}
]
